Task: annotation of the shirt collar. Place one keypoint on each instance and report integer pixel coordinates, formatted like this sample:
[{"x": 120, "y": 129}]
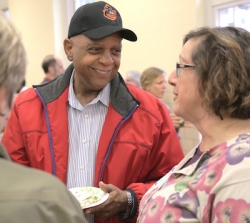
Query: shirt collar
[{"x": 103, "y": 96}]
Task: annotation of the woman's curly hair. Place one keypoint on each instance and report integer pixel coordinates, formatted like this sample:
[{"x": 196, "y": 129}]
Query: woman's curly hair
[{"x": 222, "y": 63}]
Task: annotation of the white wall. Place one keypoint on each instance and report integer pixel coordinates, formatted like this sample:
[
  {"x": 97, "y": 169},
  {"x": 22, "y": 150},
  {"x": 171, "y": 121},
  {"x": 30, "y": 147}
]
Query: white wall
[
  {"x": 160, "y": 26},
  {"x": 3, "y": 4}
]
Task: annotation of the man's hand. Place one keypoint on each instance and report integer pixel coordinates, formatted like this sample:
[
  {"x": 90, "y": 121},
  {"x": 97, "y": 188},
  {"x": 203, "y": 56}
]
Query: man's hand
[{"x": 116, "y": 202}]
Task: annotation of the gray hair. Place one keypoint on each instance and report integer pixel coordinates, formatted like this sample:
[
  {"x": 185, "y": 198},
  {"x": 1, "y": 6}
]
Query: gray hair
[
  {"x": 135, "y": 76},
  {"x": 12, "y": 58}
]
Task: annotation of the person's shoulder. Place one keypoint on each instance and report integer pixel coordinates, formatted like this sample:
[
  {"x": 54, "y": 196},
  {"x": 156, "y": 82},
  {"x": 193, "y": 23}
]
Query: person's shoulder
[
  {"x": 144, "y": 96},
  {"x": 28, "y": 180},
  {"x": 138, "y": 92},
  {"x": 32, "y": 179},
  {"x": 36, "y": 191},
  {"x": 27, "y": 93},
  {"x": 26, "y": 97}
]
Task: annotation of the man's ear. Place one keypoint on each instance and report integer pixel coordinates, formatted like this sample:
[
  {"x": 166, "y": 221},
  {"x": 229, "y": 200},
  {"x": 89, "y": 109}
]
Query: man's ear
[
  {"x": 67, "y": 43},
  {"x": 51, "y": 70}
]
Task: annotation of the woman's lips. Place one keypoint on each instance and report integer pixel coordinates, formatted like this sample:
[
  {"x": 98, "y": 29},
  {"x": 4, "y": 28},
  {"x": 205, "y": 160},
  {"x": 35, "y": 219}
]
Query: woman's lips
[{"x": 175, "y": 96}]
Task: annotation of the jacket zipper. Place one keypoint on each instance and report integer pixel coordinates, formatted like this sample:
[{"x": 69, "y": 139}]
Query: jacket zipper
[
  {"x": 112, "y": 141},
  {"x": 49, "y": 134}
]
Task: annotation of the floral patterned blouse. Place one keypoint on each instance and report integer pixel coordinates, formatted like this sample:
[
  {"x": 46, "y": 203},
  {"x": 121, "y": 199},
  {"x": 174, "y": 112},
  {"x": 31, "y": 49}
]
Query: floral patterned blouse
[{"x": 216, "y": 188}]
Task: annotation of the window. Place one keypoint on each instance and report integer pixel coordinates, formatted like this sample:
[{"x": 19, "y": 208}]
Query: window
[
  {"x": 78, "y": 3},
  {"x": 234, "y": 16},
  {"x": 73, "y": 5},
  {"x": 227, "y": 13}
]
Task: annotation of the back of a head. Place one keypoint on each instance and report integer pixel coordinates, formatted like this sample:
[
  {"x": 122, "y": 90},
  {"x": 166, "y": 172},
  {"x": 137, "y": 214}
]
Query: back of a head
[
  {"x": 12, "y": 58},
  {"x": 149, "y": 75},
  {"x": 134, "y": 76},
  {"x": 221, "y": 57},
  {"x": 48, "y": 61}
]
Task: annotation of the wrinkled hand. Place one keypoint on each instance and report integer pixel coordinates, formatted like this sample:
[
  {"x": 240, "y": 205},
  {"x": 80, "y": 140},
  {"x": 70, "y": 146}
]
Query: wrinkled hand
[
  {"x": 179, "y": 122},
  {"x": 116, "y": 202}
]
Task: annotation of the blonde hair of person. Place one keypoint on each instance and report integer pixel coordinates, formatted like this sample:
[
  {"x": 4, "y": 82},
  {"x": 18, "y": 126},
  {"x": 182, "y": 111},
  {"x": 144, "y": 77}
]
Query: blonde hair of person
[
  {"x": 149, "y": 75},
  {"x": 12, "y": 58}
]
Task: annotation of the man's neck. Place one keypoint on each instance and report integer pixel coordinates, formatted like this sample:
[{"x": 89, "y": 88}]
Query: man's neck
[{"x": 49, "y": 76}]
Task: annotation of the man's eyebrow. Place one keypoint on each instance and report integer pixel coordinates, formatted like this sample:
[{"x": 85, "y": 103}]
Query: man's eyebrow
[
  {"x": 119, "y": 45},
  {"x": 87, "y": 45},
  {"x": 93, "y": 44},
  {"x": 96, "y": 43}
]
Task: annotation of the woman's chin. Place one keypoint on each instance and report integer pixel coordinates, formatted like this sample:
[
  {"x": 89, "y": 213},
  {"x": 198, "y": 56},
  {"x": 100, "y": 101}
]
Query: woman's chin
[{"x": 177, "y": 111}]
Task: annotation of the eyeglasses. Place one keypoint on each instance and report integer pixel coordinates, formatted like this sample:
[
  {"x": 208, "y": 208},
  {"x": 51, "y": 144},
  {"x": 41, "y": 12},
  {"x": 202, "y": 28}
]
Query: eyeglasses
[{"x": 179, "y": 66}]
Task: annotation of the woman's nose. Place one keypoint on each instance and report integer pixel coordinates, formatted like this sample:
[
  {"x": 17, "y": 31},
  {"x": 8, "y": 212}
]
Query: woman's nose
[
  {"x": 164, "y": 85},
  {"x": 172, "y": 78}
]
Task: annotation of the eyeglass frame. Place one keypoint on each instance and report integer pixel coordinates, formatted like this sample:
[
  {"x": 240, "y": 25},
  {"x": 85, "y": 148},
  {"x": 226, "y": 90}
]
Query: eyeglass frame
[{"x": 180, "y": 65}]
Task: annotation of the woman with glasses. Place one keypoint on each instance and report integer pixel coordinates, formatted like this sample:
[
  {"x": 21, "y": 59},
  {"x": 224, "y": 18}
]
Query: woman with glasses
[{"x": 211, "y": 90}]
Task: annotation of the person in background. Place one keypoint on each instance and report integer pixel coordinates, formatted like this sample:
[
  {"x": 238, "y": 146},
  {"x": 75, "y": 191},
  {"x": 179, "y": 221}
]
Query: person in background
[
  {"x": 211, "y": 90},
  {"x": 153, "y": 80},
  {"x": 133, "y": 77},
  {"x": 26, "y": 195},
  {"x": 88, "y": 128},
  {"x": 52, "y": 67}
]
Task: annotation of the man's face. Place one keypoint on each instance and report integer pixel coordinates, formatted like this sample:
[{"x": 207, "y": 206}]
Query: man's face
[{"x": 96, "y": 62}]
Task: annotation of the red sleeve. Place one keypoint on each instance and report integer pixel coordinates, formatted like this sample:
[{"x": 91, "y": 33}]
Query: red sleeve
[
  {"x": 166, "y": 153},
  {"x": 12, "y": 138}
]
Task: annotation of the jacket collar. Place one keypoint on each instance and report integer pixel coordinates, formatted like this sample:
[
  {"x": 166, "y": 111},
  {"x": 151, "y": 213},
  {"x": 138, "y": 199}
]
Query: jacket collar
[{"x": 121, "y": 98}]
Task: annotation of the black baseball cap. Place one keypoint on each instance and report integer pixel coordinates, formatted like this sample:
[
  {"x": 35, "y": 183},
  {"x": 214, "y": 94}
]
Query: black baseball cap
[{"x": 98, "y": 20}]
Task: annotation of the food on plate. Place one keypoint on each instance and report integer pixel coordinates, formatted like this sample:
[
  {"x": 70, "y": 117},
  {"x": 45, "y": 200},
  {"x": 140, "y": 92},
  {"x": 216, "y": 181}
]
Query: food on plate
[{"x": 89, "y": 196}]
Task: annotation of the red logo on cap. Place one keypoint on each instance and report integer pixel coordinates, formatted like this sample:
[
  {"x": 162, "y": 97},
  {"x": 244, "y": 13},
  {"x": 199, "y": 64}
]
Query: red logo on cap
[{"x": 109, "y": 13}]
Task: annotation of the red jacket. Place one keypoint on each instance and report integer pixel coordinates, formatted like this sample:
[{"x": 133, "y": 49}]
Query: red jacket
[{"x": 138, "y": 144}]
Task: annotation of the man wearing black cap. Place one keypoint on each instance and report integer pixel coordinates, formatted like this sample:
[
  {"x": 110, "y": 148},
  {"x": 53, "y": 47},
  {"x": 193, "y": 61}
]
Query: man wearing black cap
[{"x": 88, "y": 128}]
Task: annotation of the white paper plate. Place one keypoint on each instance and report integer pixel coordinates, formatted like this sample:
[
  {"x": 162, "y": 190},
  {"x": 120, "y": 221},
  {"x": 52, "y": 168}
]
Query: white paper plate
[{"x": 89, "y": 196}]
